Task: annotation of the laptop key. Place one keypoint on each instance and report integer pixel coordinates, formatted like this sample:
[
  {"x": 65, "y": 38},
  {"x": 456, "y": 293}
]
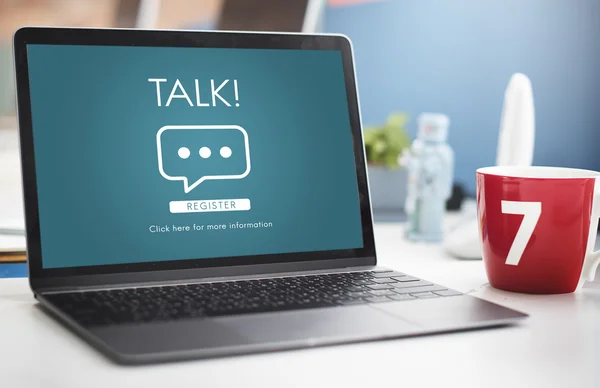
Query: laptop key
[
  {"x": 361, "y": 282},
  {"x": 407, "y": 279},
  {"x": 380, "y": 286},
  {"x": 387, "y": 274},
  {"x": 448, "y": 293},
  {"x": 378, "y": 299},
  {"x": 410, "y": 290},
  {"x": 424, "y": 295},
  {"x": 401, "y": 297},
  {"x": 357, "y": 275},
  {"x": 384, "y": 280},
  {"x": 355, "y": 289},
  {"x": 361, "y": 294},
  {"x": 417, "y": 283},
  {"x": 382, "y": 292}
]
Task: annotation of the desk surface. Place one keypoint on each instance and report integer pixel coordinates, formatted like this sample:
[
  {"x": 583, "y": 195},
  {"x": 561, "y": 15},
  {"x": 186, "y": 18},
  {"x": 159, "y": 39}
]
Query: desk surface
[{"x": 558, "y": 346}]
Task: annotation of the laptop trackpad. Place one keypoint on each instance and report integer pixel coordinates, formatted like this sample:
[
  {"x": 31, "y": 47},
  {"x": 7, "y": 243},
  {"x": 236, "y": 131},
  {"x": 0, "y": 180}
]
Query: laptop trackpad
[
  {"x": 450, "y": 312},
  {"x": 319, "y": 325}
]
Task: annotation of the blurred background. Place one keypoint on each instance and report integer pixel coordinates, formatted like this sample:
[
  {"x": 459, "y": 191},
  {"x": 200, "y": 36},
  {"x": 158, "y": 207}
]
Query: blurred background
[{"x": 412, "y": 56}]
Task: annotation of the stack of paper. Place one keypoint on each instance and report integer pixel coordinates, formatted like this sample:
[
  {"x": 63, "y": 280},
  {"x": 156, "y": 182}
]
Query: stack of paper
[
  {"x": 12, "y": 244},
  {"x": 12, "y": 225},
  {"x": 12, "y": 235}
]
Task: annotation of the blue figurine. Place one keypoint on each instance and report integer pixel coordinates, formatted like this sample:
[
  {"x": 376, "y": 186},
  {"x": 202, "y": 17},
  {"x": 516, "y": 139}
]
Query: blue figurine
[{"x": 430, "y": 164}]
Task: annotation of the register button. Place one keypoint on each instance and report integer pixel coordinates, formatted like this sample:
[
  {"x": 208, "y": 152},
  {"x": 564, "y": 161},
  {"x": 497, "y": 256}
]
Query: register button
[{"x": 210, "y": 205}]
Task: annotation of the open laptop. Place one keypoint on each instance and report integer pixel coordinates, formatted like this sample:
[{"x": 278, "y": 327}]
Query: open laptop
[{"x": 201, "y": 194}]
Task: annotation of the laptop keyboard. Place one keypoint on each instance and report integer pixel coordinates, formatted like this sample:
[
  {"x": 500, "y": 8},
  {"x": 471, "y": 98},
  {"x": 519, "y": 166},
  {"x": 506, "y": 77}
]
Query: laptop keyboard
[{"x": 148, "y": 304}]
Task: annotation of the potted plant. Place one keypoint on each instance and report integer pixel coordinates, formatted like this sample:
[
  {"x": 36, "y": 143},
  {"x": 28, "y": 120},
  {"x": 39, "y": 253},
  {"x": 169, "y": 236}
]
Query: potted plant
[{"x": 384, "y": 145}]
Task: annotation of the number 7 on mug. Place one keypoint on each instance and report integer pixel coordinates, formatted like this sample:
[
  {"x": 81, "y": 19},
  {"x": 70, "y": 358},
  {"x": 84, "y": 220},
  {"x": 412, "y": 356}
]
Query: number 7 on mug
[{"x": 531, "y": 212}]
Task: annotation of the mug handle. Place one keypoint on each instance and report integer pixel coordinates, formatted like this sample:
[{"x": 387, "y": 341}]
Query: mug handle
[{"x": 592, "y": 258}]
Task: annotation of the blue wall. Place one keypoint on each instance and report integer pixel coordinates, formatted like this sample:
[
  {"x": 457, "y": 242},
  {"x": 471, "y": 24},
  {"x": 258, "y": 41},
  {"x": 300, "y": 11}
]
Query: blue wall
[{"x": 457, "y": 56}]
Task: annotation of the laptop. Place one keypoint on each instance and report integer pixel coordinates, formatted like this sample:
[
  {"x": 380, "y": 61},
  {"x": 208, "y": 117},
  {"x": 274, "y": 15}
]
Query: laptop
[{"x": 201, "y": 194}]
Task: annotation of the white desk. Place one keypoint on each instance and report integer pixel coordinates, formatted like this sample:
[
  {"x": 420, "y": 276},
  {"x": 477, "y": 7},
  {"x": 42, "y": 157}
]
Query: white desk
[{"x": 558, "y": 346}]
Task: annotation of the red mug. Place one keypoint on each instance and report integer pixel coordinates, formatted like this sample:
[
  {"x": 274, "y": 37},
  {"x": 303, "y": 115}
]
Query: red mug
[{"x": 538, "y": 226}]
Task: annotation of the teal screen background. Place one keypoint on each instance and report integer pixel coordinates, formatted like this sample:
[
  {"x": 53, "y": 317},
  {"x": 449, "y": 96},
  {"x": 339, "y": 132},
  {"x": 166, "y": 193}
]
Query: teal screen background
[{"x": 95, "y": 120}]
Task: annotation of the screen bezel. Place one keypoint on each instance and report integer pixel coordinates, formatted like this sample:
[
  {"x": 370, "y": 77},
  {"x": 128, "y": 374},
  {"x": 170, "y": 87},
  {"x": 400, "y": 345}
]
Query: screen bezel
[{"x": 173, "y": 38}]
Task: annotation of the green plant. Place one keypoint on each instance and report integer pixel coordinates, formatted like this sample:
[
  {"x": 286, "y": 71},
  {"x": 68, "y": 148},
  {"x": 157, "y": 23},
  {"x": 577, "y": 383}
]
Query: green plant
[{"x": 385, "y": 144}]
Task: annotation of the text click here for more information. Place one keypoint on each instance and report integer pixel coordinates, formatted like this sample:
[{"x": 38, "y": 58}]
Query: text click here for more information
[{"x": 203, "y": 206}]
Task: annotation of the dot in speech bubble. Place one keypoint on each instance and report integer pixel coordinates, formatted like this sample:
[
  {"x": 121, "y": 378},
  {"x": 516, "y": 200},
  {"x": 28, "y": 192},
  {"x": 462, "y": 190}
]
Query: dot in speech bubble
[{"x": 197, "y": 153}]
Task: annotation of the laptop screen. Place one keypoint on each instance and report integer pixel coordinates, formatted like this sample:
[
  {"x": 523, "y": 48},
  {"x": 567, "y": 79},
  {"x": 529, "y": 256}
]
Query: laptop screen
[{"x": 148, "y": 154}]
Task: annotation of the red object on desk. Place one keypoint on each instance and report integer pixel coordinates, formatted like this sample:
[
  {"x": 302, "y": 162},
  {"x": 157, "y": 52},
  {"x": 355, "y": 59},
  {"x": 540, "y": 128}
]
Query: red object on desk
[{"x": 535, "y": 227}]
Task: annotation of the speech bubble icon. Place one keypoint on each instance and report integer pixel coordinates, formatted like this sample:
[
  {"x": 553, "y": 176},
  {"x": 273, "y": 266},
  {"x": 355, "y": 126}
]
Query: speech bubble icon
[{"x": 197, "y": 153}]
